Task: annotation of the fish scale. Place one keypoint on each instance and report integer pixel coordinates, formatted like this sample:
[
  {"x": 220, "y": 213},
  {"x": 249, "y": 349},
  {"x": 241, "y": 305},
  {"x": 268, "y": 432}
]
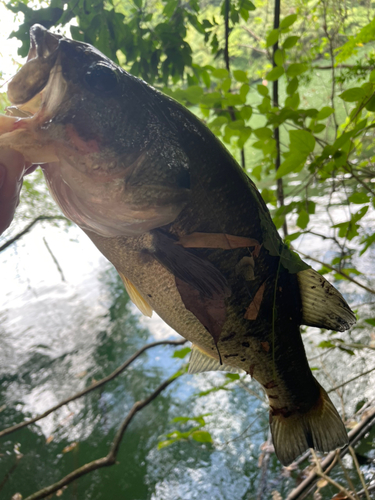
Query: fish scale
[{"x": 184, "y": 226}]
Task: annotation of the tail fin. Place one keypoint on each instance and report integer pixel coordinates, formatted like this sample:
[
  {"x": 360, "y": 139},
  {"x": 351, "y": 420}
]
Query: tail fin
[{"x": 320, "y": 428}]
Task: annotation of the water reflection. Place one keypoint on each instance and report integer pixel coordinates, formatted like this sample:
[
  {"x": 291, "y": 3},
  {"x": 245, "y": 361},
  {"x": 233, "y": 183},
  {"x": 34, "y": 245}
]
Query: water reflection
[{"x": 56, "y": 338}]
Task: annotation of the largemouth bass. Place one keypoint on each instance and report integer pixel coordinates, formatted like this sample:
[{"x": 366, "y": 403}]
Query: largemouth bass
[{"x": 184, "y": 226}]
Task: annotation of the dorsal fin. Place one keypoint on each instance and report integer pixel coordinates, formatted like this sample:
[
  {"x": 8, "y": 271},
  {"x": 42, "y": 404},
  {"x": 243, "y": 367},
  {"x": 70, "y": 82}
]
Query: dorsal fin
[
  {"x": 322, "y": 305},
  {"x": 201, "y": 362},
  {"x": 136, "y": 297}
]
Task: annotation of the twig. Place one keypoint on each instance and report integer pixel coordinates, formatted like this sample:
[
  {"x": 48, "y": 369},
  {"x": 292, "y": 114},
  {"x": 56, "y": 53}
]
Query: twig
[
  {"x": 352, "y": 379},
  {"x": 261, "y": 51},
  {"x": 252, "y": 33},
  {"x": 369, "y": 488},
  {"x": 101, "y": 382},
  {"x": 54, "y": 260},
  {"x": 108, "y": 460},
  {"x": 329, "y": 479},
  {"x": 348, "y": 479},
  {"x": 328, "y": 266},
  {"x": 354, "y": 457},
  {"x": 28, "y": 227},
  {"x": 262, "y": 486}
]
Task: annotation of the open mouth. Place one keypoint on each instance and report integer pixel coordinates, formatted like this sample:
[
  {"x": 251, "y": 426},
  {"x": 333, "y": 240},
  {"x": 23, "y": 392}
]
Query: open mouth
[{"x": 39, "y": 85}]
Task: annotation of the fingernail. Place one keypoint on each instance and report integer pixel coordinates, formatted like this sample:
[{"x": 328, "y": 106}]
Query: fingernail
[{"x": 3, "y": 172}]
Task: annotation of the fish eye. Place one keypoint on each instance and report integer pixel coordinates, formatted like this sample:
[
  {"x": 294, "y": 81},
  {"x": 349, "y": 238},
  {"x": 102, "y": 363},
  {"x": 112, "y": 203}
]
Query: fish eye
[{"x": 101, "y": 77}]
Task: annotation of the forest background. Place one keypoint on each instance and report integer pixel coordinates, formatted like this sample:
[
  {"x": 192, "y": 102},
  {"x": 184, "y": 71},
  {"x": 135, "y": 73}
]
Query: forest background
[{"x": 290, "y": 90}]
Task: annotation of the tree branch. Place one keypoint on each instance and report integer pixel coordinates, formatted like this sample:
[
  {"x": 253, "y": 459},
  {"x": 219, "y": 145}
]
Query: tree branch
[
  {"x": 97, "y": 384},
  {"x": 108, "y": 460},
  {"x": 29, "y": 226},
  {"x": 320, "y": 473},
  {"x": 345, "y": 66},
  {"x": 56, "y": 262},
  {"x": 352, "y": 379}
]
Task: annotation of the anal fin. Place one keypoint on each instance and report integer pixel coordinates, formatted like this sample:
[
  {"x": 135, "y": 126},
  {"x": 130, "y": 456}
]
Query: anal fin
[
  {"x": 136, "y": 297},
  {"x": 201, "y": 362},
  {"x": 322, "y": 305}
]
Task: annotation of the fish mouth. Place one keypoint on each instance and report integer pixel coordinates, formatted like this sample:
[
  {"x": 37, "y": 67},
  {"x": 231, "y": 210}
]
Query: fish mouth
[{"x": 39, "y": 86}]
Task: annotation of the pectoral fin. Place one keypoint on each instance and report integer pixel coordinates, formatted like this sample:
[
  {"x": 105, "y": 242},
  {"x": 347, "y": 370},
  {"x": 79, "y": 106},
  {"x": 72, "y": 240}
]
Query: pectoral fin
[
  {"x": 322, "y": 305},
  {"x": 136, "y": 297},
  {"x": 202, "y": 287},
  {"x": 201, "y": 362}
]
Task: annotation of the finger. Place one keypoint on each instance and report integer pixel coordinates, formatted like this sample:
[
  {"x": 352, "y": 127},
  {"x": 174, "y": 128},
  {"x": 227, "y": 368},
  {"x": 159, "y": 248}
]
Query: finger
[{"x": 11, "y": 174}]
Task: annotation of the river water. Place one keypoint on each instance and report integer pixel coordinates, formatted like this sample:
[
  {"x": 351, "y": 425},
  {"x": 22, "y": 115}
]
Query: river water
[{"x": 62, "y": 329}]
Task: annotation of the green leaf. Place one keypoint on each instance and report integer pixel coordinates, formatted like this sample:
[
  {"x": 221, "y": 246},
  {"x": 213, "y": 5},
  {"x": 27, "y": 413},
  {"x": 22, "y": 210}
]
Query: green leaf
[
  {"x": 296, "y": 69},
  {"x": 263, "y": 132},
  {"x": 275, "y": 73},
  {"x": 294, "y": 163},
  {"x": 246, "y": 112},
  {"x": 202, "y": 436},
  {"x": 324, "y": 113},
  {"x": 359, "y": 198},
  {"x": 225, "y": 85},
  {"x": 263, "y": 90},
  {"x": 211, "y": 98},
  {"x": 288, "y": 21},
  {"x": 370, "y": 106},
  {"x": 244, "y": 90},
  {"x": 194, "y": 94},
  {"x": 293, "y": 101},
  {"x": 290, "y": 42},
  {"x": 181, "y": 353},
  {"x": 167, "y": 442},
  {"x": 303, "y": 219},
  {"x": 301, "y": 141},
  {"x": 353, "y": 95},
  {"x": 232, "y": 376},
  {"x": 292, "y": 86},
  {"x": 293, "y": 236},
  {"x": 272, "y": 38},
  {"x": 319, "y": 127},
  {"x": 326, "y": 344},
  {"x": 240, "y": 76},
  {"x": 279, "y": 57},
  {"x": 372, "y": 76},
  {"x": 220, "y": 73}
]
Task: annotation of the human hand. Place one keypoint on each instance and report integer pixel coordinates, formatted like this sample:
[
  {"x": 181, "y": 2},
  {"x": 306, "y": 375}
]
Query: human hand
[{"x": 12, "y": 170}]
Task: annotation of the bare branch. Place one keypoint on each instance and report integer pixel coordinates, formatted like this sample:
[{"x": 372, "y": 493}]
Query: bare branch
[
  {"x": 360, "y": 475},
  {"x": 261, "y": 51},
  {"x": 320, "y": 473},
  {"x": 252, "y": 33},
  {"x": 108, "y": 460},
  {"x": 54, "y": 260},
  {"x": 346, "y": 66},
  {"x": 29, "y": 226},
  {"x": 95, "y": 385}
]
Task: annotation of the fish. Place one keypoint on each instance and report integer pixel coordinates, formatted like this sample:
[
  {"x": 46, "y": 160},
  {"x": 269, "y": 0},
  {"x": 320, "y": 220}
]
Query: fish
[{"x": 182, "y": 223}]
